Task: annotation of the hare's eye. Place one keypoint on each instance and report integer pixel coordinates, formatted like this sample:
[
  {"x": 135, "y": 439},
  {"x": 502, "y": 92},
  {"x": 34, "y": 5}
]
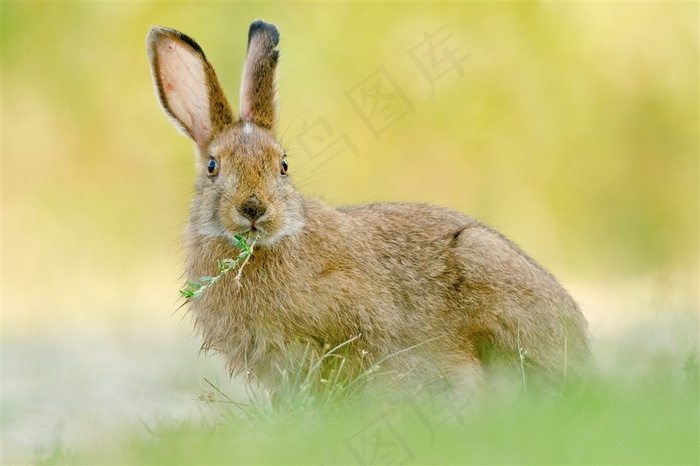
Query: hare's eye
[
  {"x": 284, "y": 166},
  {"x": 213, "y": 168}
]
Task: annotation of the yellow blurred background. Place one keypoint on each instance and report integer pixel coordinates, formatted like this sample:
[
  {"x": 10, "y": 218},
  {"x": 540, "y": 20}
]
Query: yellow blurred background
[{"x": 572, "y": 128}]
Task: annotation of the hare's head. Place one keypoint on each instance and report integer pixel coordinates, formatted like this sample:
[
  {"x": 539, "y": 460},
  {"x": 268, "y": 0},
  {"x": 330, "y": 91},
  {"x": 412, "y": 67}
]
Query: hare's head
[{"x": 242, "y": 182}]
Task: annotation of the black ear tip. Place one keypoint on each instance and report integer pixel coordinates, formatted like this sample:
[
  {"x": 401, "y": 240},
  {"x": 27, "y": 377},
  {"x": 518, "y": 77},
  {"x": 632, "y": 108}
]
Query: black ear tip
[
  {"x": 261, "y": 26},
  {"x": 156, "y": 32}
]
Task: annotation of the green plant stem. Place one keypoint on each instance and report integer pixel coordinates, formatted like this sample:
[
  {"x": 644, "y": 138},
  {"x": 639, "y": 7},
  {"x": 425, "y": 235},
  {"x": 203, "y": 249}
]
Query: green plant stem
[{"x": 195, "y": 289}]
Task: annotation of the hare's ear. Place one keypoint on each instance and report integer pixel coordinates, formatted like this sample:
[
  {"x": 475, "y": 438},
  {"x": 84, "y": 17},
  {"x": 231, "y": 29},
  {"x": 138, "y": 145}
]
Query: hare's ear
[
  {"x": 258, "y": 93},
  {"x": 187, "y": 86}
]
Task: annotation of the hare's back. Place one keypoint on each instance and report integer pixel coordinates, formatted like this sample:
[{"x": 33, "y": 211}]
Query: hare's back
[
  {"x": 443, "y": 242},
  {"x": 407, "y": 219}
]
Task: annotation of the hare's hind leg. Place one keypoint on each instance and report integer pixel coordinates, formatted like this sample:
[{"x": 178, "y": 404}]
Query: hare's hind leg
[
  {"x": 514, "y": 312},
  {"x": 466, "y": 378}
]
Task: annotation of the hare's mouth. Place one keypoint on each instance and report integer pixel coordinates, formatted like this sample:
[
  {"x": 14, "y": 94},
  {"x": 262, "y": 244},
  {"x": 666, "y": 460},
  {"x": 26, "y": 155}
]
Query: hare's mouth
[
  {"x": 250, "y": 234},
  {"x": 254, "y": 229},
  {"x": 267, "y": 228},
  {"x": 257, "y": 226}
]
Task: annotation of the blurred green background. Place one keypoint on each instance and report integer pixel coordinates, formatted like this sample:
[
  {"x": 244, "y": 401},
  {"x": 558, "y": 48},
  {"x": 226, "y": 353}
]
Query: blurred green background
[{"x": 572, "y": 128}]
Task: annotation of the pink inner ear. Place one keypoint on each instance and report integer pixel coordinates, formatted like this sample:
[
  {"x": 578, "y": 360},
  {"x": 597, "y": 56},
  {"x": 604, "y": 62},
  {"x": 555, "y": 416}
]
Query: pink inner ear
[
  {"x": 246, "y": 112},
  {"x": 183, "y": 81},
  {"x": 246, "y": 97}
]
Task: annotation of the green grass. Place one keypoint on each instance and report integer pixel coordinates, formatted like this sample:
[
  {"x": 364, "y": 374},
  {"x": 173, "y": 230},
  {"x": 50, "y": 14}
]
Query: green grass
[{"x": 646, "y": 415}]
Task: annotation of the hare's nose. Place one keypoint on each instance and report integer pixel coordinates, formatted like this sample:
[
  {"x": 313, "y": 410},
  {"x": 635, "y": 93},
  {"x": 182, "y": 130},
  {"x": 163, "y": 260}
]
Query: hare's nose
[{"x": 252, "y": 209}]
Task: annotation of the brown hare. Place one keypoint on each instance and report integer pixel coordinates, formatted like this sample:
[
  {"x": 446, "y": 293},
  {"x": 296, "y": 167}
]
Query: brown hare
[{"x": 423, "y": 292}]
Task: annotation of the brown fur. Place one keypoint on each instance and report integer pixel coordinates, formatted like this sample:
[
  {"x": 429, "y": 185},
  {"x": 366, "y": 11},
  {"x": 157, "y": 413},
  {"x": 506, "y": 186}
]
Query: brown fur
[{"x": 399, "y": 276}]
